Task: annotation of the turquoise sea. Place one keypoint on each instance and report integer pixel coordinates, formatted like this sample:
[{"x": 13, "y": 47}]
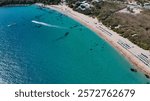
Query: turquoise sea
[{"x": 42, "y": 46}]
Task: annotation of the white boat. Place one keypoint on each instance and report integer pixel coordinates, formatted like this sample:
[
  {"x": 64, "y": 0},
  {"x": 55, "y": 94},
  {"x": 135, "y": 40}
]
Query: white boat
[{"x": 13, "y": 24}]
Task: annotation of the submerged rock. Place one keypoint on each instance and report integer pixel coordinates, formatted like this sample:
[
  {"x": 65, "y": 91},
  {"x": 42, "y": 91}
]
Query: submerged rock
[
  {"x": 147, "y": 76},
  {"x": 133, "y": 70},
  {"x": 91, "y": 49},
  {"x": 66, "y": 34},
  {"x": 96, "y": 44},
  {"x": 62, "y": 37},
  {"x": 38, "y": 26},
  {"x": 74, "y": 26},
  {"x": 38, "y": 16}
]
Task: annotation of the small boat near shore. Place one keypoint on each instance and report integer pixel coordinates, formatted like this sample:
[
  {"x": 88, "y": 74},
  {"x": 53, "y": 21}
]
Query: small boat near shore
[{"x": 13, "y": 24}]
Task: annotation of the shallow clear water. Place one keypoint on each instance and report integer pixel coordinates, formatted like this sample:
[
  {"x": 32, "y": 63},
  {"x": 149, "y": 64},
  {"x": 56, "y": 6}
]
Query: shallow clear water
[{"x": 43, "y": 46}]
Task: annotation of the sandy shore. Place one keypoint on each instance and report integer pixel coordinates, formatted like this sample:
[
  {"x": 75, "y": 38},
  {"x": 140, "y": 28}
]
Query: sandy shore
[{"x": 131, "y": 51}]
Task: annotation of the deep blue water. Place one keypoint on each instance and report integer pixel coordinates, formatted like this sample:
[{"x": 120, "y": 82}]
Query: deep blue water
[{"x": 58, "y": 50}]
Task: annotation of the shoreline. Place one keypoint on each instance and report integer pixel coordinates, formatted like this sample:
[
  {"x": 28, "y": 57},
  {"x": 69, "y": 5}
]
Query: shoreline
[
  {"x": 108, "y": 35},
  {"x": 105, "y": 33}
]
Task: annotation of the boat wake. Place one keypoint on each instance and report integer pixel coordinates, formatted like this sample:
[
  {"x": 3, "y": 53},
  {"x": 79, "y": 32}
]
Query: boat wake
[{"x": 46, "y": 24}]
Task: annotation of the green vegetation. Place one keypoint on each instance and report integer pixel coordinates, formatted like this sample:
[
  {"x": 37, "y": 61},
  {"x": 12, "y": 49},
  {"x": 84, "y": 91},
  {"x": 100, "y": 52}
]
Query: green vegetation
[
  {"x": 105, "y": 9},
  {"x": 134, "y": 27}
]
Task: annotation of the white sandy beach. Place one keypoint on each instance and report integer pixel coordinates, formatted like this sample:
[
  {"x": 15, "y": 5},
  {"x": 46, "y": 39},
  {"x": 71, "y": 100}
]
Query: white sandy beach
[{"x": 136, "y": 55}]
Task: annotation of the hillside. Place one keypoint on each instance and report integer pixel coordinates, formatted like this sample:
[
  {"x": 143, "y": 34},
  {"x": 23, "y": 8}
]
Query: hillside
[{"x": 135, "y": 27}]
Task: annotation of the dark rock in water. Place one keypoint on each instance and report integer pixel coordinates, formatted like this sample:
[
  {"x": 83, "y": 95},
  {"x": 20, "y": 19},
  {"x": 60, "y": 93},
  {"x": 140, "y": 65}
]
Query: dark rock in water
[
  {"x": 38, "y": 26},
  {"x": 66, "y": 34},
  {"x": 74, "y": 26},
  {"x": 62, "y": 37},
  {"x": 91, "y": 49},
  {"x": 60, "y": 15},
  {"x": 38, "y": 16},
  {"x": 147, "y": 83},
  {"x": 147, "y": 76},
  {"x": 96, "y": 44},
  {"x": 102, "y": 47},
  {"x": 133, "y": 70}
]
